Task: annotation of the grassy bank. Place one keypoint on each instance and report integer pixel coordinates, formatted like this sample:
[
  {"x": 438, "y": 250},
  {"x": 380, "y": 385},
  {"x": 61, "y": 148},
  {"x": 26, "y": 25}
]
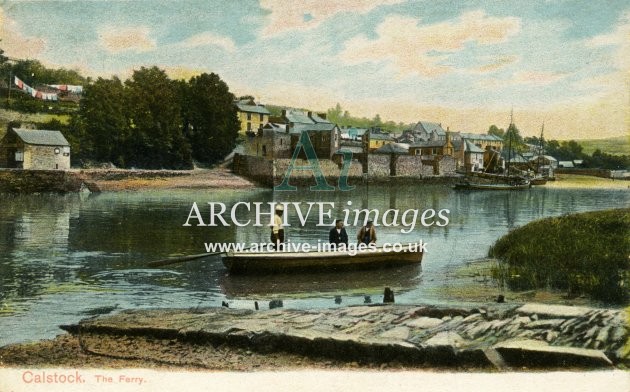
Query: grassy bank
[
  {"x": 581, "y": 254},
  {"x": 579, "y": 181},
  {"x": 614, "y": 145}
]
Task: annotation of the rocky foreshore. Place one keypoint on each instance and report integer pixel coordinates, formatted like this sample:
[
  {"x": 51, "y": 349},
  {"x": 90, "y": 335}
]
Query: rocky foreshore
[{"x": 500, "y": 336}]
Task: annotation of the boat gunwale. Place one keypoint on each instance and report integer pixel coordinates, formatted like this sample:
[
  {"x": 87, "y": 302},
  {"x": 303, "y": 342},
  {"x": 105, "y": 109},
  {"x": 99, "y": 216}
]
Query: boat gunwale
[{"x": 325, "y": 254}]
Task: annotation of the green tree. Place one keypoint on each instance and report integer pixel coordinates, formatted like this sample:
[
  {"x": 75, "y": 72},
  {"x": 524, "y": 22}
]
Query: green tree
[
  {"x": 552, "y": 147},
  {"x": 335, "y": 114},
  {"x": 153, "y": 109},
  {"x": 210, "y": 118},
  {"x": 496, "y": 131},
  {"x": 571, "y": 150},
  {"x": 513, "y": 138},
  {"x": 3, "y": 58},
  {"x": 102, "y": 113}
]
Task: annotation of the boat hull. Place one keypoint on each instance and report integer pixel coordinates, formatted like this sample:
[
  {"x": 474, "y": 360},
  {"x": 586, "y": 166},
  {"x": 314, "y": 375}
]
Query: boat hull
[
  {"x": 272, "y": 262},
  {"x": 538, "y": 181},
  {"x": 495, "y": 187}
]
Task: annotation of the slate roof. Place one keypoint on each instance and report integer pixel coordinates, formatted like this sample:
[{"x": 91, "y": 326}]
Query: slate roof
[
  {"x": 429, "y": 127},
  {"x": 320, "y": 127},
  {"x": 392, "y": 148},
  {"x": 352, "y": 131},
  {"x": 380, "y": 136},
  {"x": 275, "y": 127},
  {"x": 477, "y": 136},
  {"x": 471, "y": 147},
  {"x": 41, "y": 137},
  {"x": 243, "y": 107},
  {"x": 315, "y": 117},
  {"x": 547, "y": 157},
  {"x": 353, "y": 149},
  {"x": 514, "y": 157},
  {"x": 298, "y": 117},
  {"x": 430, "y": 143}
]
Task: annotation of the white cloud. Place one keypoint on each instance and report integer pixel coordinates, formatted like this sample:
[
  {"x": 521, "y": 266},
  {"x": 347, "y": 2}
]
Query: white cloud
[
  {"x": 14, "y": 43},
  {"x": 306, "y": 14},
  {"x": 495, "y": 64},
  {"x": 620, "y": 38},
  {"x": 210, "y": 39},
  {"x": 135, "y": 39},
  {"x": 415, "y": 48},
  {"x": 614, "y": 92},
  {"x": 537, "y": 78}
]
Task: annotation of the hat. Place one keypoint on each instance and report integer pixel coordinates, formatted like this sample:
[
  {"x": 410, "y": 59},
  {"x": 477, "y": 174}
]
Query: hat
[{"x": 279, "y": 207}]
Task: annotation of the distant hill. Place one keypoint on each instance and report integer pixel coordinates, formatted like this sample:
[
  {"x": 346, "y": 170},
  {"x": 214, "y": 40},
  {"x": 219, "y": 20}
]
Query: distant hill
[{"x": 619, "y": 145}]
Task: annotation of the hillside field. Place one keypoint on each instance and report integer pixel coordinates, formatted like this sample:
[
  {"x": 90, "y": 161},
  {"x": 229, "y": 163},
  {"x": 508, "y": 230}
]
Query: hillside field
[{"x": 619, "y": 145}]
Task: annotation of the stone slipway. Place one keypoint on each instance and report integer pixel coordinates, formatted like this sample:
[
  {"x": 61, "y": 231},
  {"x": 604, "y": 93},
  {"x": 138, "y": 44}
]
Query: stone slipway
[{"x": 532, "y": 335}]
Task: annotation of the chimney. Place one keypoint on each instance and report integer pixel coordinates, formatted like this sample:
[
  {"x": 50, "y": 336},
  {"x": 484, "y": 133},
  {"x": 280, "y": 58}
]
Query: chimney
[
  {"x": 310, "y": 115},
  {"x": 322, "y": 115},
  {"x": 284, "y": 113}
]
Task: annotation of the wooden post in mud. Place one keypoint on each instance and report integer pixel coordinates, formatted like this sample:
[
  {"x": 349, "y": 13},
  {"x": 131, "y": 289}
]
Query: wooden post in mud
[{"x": 388, "y": 296}]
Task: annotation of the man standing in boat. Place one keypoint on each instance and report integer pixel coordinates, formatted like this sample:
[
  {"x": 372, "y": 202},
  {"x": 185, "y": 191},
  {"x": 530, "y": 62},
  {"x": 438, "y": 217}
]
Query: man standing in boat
[
  {"x": 338, "y": 235},
  {"x": 277, "y": 230},
  {"x": 367, "y": 234}
]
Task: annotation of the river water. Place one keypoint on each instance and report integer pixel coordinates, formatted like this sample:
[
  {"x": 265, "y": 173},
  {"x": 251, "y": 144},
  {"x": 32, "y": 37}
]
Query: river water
[{"x": 64, "y": 258}]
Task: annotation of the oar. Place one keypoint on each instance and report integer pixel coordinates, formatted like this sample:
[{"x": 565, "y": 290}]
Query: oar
[{"x": 175, "y": 260}]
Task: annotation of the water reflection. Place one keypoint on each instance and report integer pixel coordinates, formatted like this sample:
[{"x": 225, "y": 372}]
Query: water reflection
[
  {"x": 309, "y": 285},
  {"x": 62, "y": 257}
]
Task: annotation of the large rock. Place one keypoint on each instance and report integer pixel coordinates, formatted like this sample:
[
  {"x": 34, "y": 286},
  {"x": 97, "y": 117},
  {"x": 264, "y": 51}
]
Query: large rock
[
  {"x": 553, "y": 311},
  {"x": 537, "y": 354},
  {"x": 424, "y": 322}
]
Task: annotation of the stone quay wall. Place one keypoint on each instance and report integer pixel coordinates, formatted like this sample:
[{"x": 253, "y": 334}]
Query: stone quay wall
[
  {"x": 39, "y": 181},
  {"x": 408, "y": 168}
]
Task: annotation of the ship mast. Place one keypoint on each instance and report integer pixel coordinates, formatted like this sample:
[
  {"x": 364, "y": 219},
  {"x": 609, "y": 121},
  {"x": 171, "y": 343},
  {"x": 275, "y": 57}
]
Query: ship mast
[
  {"x": 510, "y": 141},
  {"x": 541, "y": 148}
]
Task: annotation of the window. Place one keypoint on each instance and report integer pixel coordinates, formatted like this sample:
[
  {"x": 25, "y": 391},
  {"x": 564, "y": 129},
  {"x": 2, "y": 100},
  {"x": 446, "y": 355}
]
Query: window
[
  {"x": 57, "y": 150},
  {"x": 262, "y": 117},
  {"x": 249, "y": 126},
  {"x": 19, "y": 156},
  {"x": 249, "y": 116}
]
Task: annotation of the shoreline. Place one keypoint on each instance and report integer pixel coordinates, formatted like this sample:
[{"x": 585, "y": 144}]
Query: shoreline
[
  {"x": 121, "y": 180},
  {"x": 497, "y": 337}
]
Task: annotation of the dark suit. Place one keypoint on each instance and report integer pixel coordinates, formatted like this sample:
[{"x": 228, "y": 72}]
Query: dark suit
[{"x": 338, "y": 238}]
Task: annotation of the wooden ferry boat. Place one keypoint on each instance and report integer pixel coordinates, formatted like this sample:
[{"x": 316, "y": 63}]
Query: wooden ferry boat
[{"x": 281, "y": 261}]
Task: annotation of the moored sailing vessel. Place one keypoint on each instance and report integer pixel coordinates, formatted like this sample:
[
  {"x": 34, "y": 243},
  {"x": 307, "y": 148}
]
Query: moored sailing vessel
[{"x": 496, "y": 181}]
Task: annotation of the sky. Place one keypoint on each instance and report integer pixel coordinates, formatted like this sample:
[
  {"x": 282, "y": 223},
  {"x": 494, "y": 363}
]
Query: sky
[{"x": 464, "y": 64}]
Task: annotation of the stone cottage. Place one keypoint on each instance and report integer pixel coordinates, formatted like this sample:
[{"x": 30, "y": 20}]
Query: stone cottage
[{"x": 35, "y": 150}]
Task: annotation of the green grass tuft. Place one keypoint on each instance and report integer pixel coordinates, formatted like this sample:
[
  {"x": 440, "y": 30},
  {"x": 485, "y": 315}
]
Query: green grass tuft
[{"x": 584, "y": 253}]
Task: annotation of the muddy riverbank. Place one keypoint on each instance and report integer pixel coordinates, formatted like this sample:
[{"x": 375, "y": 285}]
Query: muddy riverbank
[
  {"x": 503, "y": 337},
  {"x": 106, "y": 180}
]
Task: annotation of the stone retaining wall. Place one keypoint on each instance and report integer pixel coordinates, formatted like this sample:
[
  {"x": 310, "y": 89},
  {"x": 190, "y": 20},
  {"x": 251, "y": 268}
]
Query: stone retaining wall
[{"x": 39, "y": 181}]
